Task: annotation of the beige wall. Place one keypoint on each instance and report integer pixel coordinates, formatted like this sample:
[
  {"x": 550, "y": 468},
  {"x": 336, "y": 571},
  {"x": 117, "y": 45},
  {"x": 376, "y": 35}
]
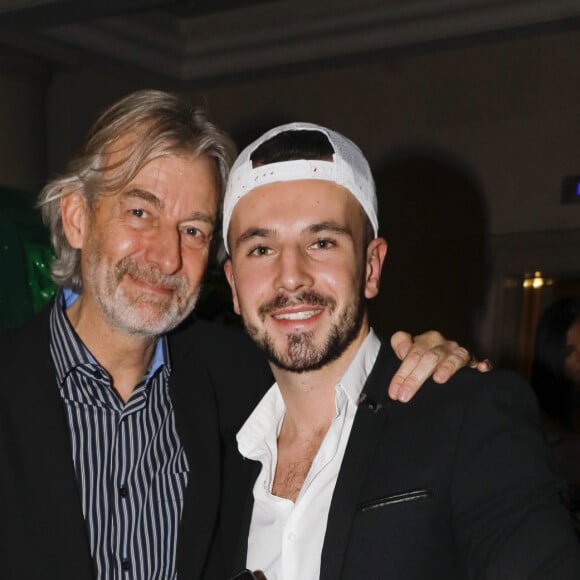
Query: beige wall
[
  {"x": 22, "y": 124},
  {"x": 469, "y": 146},
  {"x": 510, "y": 110}
]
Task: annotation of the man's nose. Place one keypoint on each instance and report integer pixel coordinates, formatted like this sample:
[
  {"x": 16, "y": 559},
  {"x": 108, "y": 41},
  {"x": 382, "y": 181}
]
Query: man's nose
[
  {"x": 164, "y": 250},
  {"x": 293, "y": 270}
]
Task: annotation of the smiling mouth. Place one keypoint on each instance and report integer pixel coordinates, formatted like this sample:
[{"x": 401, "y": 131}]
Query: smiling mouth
[
  {"x": 295, "y": 308},
  {"x": 302, "y": 315},
  {"x": 150, "y": 278},
  {"x": 152, "y": 287}
]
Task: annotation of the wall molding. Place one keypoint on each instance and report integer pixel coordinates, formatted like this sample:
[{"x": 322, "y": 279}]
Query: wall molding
[{"x": 261, "y": 37}]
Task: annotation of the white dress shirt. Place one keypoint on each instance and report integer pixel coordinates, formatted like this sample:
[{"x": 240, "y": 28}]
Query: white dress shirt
[{"x": 286, "y": 538}]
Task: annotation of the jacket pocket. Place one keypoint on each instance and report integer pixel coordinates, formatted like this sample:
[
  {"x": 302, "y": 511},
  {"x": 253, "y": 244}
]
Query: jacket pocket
[{"x": 401, "y": 497}]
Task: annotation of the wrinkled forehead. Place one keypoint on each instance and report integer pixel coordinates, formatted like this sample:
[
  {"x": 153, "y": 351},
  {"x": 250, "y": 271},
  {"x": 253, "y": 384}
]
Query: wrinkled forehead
[{"x": 124, "y": 159}]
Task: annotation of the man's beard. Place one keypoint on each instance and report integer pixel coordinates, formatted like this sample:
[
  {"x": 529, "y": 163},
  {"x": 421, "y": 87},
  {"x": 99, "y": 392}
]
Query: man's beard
[
  {"x": 147, "y": 314},
  {"x": 301, "y": 354}
]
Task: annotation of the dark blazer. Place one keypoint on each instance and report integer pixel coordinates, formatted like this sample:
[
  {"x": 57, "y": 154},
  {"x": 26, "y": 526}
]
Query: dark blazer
[
  {"x": 452, "y": 485},
  {"x": 42, "y": 530}
]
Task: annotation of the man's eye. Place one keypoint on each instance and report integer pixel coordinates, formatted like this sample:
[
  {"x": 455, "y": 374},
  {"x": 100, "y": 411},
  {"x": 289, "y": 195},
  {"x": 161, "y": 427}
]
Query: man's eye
[
  {"x": 191, "y": 231},
  {"x": 196, "y": 236},
  {"x": 138, "y": 212},
  {"x": 323, "y": 244},
  {"x": 260, "y": 251}
]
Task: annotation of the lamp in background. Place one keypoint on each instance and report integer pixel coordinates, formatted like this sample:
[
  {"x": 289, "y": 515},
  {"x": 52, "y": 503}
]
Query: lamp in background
[{"x": 534, "y": 294}]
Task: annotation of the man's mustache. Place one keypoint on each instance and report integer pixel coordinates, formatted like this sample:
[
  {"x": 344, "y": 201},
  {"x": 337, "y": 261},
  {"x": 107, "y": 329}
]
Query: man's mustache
[{"x": 150, "y": 274}]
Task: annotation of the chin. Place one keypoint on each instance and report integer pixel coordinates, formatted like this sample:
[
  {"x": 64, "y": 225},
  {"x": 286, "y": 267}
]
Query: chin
[
  {"x": 146, "y": 322},
  {"x": 149, "y": 318}
]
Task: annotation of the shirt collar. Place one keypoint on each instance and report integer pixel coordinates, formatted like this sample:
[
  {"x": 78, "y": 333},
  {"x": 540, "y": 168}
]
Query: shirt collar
[
  {"x": 268, "y": 415},
  {"x": 355, "y": 376},
  {"x": 69, "y": 350}
]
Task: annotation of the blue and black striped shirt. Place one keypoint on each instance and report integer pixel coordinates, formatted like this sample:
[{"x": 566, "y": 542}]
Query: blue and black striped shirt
[{"x": 130, "y": 466}]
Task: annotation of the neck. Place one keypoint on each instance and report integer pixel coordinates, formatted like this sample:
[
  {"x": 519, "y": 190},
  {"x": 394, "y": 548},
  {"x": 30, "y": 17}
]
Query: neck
[
  {"x": 310, "y": 408},
  {"x": 309, "y": 397},
  {"x": 124, "y": 356}
]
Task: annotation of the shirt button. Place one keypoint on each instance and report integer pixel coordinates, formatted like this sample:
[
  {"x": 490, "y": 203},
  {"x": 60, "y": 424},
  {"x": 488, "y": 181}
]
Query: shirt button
[
  {"x": 125, "y": 565},
  {"x": 292, "y": 536},
  {"x": 97, "y": 374},
  {"x": 123, "y": 491}
]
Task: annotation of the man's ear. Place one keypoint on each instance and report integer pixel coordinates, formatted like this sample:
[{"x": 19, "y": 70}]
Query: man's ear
[
  {"x": 376, "y": 252},
  {"x": 228, "y": 269},
  {"x": 74, "y": 212}
]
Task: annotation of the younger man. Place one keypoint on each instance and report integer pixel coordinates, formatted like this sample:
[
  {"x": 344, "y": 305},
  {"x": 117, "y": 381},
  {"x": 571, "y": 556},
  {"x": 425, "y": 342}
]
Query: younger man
[{"x": 333, "y": 479}]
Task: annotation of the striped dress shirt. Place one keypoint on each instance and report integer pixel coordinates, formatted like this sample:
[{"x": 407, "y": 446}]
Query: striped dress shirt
[{"x": 130, "y": 466}]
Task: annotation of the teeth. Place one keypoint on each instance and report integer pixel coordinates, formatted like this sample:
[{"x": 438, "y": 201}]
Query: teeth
[{"x": 297, "y": 315}]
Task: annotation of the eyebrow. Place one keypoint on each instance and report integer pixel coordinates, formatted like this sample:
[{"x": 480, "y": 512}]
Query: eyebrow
[
  {"x": 254, "y": 233},
  {"x": 328, "y": 226},
  {"x": 198, "y": 216},
  {"x": 157, "y": 203},
  {"x": 144, "y": 195}
]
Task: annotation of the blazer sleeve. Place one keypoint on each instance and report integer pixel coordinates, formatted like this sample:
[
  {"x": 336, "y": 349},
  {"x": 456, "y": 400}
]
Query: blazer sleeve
[{"x": 508, "y": 517}]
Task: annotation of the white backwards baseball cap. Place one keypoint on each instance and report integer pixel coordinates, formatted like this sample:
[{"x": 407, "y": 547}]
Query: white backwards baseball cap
[{"x": 348, "y": 168}]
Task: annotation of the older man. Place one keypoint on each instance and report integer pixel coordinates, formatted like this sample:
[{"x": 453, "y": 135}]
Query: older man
[{"x": 329, "y": 478}]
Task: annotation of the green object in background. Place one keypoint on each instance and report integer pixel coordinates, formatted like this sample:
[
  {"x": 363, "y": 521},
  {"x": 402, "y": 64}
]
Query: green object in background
[
  {"x": 40, "y": 284},
  {"x": 25, "y": 255}
]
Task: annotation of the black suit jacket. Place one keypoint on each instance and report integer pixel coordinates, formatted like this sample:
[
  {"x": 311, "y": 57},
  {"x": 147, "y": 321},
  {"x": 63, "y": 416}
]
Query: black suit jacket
[
  {"x": 42, "y": 530},
  {"x": 452, "y": 485}
]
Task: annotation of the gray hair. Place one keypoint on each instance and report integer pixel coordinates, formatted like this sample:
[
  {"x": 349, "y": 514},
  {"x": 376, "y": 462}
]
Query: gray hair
[{"x": 163, "y": 124}]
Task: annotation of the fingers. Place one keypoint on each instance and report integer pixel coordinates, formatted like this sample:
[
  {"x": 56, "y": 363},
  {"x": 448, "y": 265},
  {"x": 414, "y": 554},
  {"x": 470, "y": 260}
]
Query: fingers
[
  {"x": 401, "y": 343},
  {"x": 408, "y": 378},
  {"x": 459, "y": 358},
  {"x": 417, "y": 366},
  {"x": 483, "y": 365},
  {"x": 450, "y": 363},
  {"x": 430, "y": 354}
]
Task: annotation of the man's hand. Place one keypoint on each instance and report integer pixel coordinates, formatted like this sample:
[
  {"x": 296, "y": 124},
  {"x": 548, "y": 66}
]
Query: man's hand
[{"x": 428, "y": 354}]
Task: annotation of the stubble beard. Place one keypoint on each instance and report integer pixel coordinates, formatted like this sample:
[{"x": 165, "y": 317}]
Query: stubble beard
[
  {"x": 146, "y": 315},
  {"x": 301, "y": 354}
]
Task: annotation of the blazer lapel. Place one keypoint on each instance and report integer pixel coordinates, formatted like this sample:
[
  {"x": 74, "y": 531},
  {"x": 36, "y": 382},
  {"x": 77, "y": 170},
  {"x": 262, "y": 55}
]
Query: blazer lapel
[
  {"x": 250, "y": 472},
  {"x": 45, "y": 458},
  {"x": 197, "y": 425},
  {"x": 370, "y": 417}
]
